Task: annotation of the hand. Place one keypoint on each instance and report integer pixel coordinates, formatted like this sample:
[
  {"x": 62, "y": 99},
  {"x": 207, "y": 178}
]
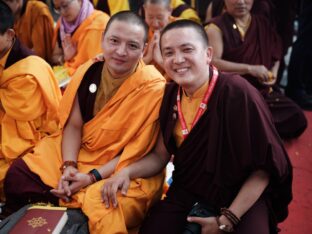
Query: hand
[
  {"x": 156, "y": 53},
  {"x": 209, "y": 225},
  {"x": 271, "y": 80},
  {"x": 259, "y": 71},
  {"x": 121, "y": 181},
  {"x": 148, "y": 55},
  {"x": 63, "y": 190},
  {"x": 69, "y": 47}
]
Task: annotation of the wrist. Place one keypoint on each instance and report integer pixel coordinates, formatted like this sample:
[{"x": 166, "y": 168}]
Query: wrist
[
  {"x": 68, "y": 163},
  {"x": 224, "y": 224}
]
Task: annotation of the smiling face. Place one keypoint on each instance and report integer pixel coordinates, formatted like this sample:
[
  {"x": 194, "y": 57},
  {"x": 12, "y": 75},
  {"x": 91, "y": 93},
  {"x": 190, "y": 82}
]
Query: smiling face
[
  {"x": 123, "y": 45},
  {"x": 156, "y": 15},
  {"x": 68, "y": 9},
  {"x": 186, "y": 58}
]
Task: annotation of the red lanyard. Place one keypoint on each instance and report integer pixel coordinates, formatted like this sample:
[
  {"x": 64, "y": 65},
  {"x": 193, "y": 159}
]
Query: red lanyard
[{"x": 202, "y": 106}]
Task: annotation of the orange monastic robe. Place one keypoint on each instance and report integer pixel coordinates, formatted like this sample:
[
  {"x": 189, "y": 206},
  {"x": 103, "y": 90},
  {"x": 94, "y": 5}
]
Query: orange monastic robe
[
  {"x": 35, "y": 29},
  {"x": 87, "y": 37},
  {"x": 30, "y": 98},
  {"x": 127, "y": 125}
]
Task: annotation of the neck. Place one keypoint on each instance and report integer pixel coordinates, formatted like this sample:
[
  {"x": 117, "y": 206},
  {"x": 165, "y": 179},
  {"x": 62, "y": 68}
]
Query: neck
[
  {"x": 6, "y": 49},
  {"x": 190, "y": 90},
  {"x": 115, "y": 76},
  {"x": 243, "y": 21}
]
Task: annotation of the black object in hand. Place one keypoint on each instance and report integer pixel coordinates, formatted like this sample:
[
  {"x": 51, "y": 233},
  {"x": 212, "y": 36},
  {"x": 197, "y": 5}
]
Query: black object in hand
[{"x": 198, "y": 210}]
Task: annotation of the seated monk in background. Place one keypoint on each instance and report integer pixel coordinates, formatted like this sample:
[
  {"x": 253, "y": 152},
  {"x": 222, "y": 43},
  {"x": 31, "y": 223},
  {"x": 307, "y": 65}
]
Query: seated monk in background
[
  {"x": 29, "y": 96},
  {"x": 109, "y": 117},
  {"x": 179, "y": 7},
  {"x": 246, "y": 44},
  {"x": 33, "y": 25},
  {"x": 77, "y": 34},
  {"x": 157, "y": 16}
]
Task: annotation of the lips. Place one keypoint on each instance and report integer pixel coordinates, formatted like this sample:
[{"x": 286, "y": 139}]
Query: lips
[
  {"x": 181, "y": 71},
  {"x": 119, "y": 61}
]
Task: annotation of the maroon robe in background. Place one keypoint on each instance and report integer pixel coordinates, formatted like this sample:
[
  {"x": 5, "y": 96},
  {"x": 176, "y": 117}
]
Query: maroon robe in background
[
  {"x": 261, "y": 46},
  {"x": 234, "y": 137}
]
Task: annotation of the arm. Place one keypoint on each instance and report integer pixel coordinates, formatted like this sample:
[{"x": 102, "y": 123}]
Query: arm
[
  {"x": 148, "y": 166},
  {"x": 249, "y": 193},
  {"x": 216, "y": 41},
  {"x": 71, "y": 143}
]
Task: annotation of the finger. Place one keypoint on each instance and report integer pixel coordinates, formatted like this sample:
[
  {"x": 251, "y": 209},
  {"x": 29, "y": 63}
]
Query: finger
[
  {"x": 125, "y": 187},
  {"x": 194, "y": 219},
  {"x": 58, "y": 193},
  {"x": 71, "y": 178},
  {"x": 66, "y": 188},
  {"x": 105, "y": 196},
  {"x": 113, "y": 195}
]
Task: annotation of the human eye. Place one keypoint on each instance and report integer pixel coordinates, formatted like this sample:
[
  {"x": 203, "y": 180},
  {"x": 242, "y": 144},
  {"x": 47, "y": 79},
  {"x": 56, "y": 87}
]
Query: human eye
[
  {"x": 167, "y": 53},
  {"x": 188, "y": 50},
  {"x": 134, "y": 46},
  {"x": 160, "y": 17},
  {"x": 64, "y": 6},
  {"x": 113, "y": 40}
]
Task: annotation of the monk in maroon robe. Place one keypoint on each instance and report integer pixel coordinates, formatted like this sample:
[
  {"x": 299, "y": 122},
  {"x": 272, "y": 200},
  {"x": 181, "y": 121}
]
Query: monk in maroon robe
[{"x": 246, "y": 44}]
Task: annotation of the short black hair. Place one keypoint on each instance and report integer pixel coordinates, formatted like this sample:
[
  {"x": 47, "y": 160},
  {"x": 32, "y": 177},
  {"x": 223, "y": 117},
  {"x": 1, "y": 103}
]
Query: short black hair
[
  {"x": 6, "y": 17},
  {"x": 131, "y": 18},
  {"x": 186, "y": 24}
]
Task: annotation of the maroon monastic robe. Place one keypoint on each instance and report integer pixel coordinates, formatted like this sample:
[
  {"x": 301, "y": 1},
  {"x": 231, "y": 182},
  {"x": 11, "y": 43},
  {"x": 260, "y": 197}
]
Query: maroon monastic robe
[
  {"x": 234, "y": 137},
  {"x": 262, "y": 46}
]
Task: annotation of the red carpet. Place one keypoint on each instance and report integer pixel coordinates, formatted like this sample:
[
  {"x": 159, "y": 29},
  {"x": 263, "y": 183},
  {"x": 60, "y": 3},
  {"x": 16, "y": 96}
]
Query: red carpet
[{"x": 299, "y": 220}]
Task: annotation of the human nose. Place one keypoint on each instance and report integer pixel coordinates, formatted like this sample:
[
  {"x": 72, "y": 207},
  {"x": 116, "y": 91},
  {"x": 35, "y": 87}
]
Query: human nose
[
  {"x": 178, "y": 58},
  {"x": 155, "y": 24},
  {"x": 121, "y": 50}
]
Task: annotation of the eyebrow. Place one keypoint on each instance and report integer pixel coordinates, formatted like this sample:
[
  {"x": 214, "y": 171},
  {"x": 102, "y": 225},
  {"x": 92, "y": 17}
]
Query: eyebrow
[
  {"x": 183, "y": 45},
  {"x": 131, "y": 41}
]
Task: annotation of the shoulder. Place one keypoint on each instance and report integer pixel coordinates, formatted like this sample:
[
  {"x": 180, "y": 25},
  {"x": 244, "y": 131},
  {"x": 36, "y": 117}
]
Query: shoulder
[
  {"x": 237, "y": 90},
  {"x": 99, "y": 16}
]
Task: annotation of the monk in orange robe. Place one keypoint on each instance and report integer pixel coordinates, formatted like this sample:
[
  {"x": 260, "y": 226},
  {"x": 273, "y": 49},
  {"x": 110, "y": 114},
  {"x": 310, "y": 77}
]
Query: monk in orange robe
[
  {"x": 29, "y": 96},
  {"x": 77, "y": 34},
  {"x": 109, "y": 118},
  {"x": 180, "y": 8},
  {"x": 33, "y": 25},
  {"x": 157, "y": 16}
]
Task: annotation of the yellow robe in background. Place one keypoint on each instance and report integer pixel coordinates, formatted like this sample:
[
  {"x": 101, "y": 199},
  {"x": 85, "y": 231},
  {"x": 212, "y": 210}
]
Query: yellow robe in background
[
  {"x": 189, "y": 13},
  {"x": 87, "y": 37},
  {"x": 128, "y": 126},
  {"x": 30, "y": 98},
  {"x": 35, "y": 29}
]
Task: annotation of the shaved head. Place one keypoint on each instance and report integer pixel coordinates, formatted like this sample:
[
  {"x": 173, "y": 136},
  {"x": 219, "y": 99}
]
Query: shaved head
[
  {"x": 166, "y": 3},
  {"x": 130, "y": 18}
]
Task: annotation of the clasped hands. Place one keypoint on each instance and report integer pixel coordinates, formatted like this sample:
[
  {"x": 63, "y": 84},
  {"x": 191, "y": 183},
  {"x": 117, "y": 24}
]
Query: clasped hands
[
  {"x": 73, "y": 181},
  {"x": 264, "y": 75},
  {"x": 153, "y": 50},
  {"x": 69, "y": 47}
]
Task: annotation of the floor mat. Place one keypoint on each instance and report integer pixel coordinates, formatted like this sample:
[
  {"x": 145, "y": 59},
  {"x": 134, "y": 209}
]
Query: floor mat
[{"x": 300, "y": 210}]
